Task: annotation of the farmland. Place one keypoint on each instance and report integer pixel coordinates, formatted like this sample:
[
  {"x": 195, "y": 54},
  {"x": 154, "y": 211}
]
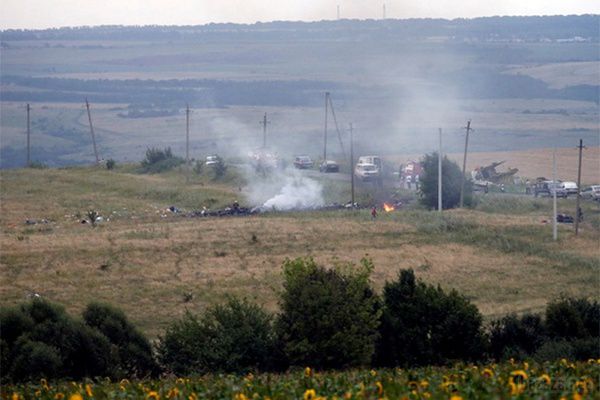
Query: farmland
[{"x": 155, "y": 264}]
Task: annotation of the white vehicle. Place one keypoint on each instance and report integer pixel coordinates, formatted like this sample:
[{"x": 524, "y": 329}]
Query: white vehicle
[
  {"x": 570, "y": 187},
  {"x": 211, "y": 160},
  {"x": 368, "y": 168},
  {"x": 366, "y": 172},
  {"x": 592, "y": 193}
]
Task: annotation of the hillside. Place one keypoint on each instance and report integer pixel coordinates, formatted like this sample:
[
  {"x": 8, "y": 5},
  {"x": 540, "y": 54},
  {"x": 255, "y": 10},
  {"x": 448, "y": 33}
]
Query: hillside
[{"x": 155, "y": 264}]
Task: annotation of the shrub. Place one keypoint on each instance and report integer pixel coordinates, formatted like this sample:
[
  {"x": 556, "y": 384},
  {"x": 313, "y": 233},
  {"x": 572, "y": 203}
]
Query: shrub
[
  {"x": 516, "y": 337},
  {"x": 158, "y": 160},
  {"x": 451, "y": 183},
  {"x": 110, "y": 164},
  {"x": 234, "y": 337},
  {"x": 421, "y": 324},
  {"x": 198, "y": 167},
  {"x": 569, "y": 318},
  {"x": 329, "y": 317},
  {"x": 219, "y": 167},
  {"x": 132, "y": 351},
  {"x": 42, "y": 333}
]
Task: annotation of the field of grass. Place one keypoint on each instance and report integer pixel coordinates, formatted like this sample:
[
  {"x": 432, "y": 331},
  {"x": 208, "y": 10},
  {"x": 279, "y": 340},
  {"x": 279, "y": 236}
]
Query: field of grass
[
  {"x": 155, "y": 264},
  {"x": 561, "y": 379}
]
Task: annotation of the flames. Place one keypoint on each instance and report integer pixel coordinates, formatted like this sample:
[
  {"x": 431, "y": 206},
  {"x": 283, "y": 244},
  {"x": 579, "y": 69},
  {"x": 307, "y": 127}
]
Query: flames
[{"x": 388, "y": 207}]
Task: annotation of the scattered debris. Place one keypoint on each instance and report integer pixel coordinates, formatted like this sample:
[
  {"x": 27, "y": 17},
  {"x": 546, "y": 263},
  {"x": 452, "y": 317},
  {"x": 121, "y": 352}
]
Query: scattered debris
[{"x": 36, "y": 221}]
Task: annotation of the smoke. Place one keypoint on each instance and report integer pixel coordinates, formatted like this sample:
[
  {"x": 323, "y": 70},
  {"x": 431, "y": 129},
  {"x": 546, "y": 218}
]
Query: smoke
[{"x": 284, "y": 190}]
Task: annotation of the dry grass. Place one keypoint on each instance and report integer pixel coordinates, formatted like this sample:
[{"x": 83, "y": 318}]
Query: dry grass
[{"x": 147, "y": 265}]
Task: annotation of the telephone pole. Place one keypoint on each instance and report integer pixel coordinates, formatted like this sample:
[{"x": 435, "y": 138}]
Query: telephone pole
[
  {"x": 440, "y": 174},
  {"x": 462, "y": 185},
  {"x": 28, "y": 136},
  {"x": 554, "y": 220},
  {"x": 87, "y": 105},
  {"x": 325, "y": 132},
  {"x": 580, "y": 147},
  {"x": 187, "y": 142},
  {"x": 264, "y": 123},
  {"x": 352, "y": 163}
]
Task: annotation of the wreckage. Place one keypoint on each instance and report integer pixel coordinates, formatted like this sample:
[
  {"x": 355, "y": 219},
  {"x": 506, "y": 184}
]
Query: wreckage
[{"x": 488, "y": 176}]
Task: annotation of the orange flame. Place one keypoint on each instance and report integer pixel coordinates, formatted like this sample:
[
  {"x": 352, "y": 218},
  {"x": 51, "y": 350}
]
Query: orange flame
[{"x": 387, "y": 207}]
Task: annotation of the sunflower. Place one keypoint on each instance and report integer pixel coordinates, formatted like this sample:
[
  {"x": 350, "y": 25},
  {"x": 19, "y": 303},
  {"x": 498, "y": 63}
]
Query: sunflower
[{"x": 310, "y": 394}]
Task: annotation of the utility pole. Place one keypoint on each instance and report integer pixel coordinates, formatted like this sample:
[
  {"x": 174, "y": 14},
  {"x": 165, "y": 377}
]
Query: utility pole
[
  {"x": 325, "y": 132},
  {"x": 187, "y": 142},
  {"x": 264, "y": 123},
  {"x": 554, "y": 221},
  {"x": 336, "y": 127},
  {"x": 462, "y": 185},
  {"x": 352, "y": 163},
  {"x": 440, "y": 174},
  {"x": 338, "y": 12},
  {"x": 87, "y": 105},
  {"x": 383, "y": 10},
  {"x": 28, "y": 136},
  {"x": 580, "y": 147}
]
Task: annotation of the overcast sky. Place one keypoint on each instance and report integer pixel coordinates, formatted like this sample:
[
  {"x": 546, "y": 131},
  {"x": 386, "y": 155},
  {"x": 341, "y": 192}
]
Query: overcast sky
[{"x": 57, "y": 13}]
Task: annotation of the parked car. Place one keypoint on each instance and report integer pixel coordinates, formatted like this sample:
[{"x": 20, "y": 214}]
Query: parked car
[
  {"x": 366, "y": 172},
  {"x": 303, "y": 162},
  {"x": 592, "y": 193},
  {"x": 329, "y": 166},
  {"x": 570, "y": 187},
  {"x": 547, "y": 188}
]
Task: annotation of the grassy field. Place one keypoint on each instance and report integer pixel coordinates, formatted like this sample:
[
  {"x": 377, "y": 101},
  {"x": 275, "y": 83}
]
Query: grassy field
[{"x": 155, "y": 264}]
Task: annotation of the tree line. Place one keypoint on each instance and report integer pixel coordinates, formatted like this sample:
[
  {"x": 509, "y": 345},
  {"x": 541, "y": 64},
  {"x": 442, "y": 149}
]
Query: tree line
[{"x": 329, "y": 318}]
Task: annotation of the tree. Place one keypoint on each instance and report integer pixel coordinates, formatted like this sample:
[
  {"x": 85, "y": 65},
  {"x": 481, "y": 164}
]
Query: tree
[
  {"x": 219, "y": 167},
  {"x": 329, "y": 317},
  {"x": 451, "y": 183},
  {"x": 421, "y": 324}
]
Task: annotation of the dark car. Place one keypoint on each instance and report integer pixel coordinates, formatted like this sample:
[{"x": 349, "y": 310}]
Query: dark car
[
  {"x": 303, "y": 162},
  {"x": 329, "y": 166}
]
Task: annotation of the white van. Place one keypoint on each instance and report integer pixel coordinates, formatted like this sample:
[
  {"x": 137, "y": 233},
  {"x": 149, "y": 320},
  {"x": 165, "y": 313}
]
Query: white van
[{"x": 570, "y": 187}]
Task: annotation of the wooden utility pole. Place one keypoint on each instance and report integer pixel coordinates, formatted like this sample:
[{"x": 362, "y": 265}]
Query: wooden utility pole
[
  {"x": 440, "y": 174},
  {"x": 264, "y": 123},
  {"x": 28, "y": 136},
  {"x": 462, "y": 184},
  {"x": 352, "y": 163},
  {"x": 187, "y": 141},
  {"x": 87, "y": 105},
  {"x": 325, "y": 132},
  {"x": 554, "y": 220},
  {"x": 336, "y": 127},
  {"x": 580, "y": 147}
]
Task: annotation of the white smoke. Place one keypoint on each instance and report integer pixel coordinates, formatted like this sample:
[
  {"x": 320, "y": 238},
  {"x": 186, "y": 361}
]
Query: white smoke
[{"x": 298, "y": 192}]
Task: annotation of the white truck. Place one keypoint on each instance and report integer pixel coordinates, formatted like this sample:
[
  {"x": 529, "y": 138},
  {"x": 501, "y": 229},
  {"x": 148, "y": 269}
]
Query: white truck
[{"x": 368, "y": 168}]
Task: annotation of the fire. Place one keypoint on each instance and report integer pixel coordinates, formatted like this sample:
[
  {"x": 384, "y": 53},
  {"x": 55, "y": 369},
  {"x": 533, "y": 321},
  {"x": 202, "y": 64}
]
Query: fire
[{"x": 387, "y": 207}]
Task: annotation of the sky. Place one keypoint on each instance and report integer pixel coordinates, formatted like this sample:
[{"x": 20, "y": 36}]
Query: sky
[{"x": 39, "y": 14}]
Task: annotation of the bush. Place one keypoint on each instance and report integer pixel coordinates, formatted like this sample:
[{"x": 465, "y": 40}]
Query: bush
[
  {"x": 235, "y": 337},
  {"x": 42, "y": 340},
  {"x": 110, "y": 164},
  {"x": 131, "y": 350},
  {"x": 219, "y": 167},
  {"x": 516, "y": 337},
  {"x": 158, "y": 160},
  {"x": 421, "y": 324},
  {"x": 198, "y": 167},
  {"x": 569, "y": 318},
  {"x": 451, "y": 183},
  {"x": 328, "y": 317}
]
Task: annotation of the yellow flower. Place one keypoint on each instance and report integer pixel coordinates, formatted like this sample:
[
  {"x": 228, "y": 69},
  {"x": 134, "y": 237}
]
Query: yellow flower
[
  {"x": 240, "y": 396},
  {"x": 88, "y": 390},
  {"x": 519, "y": 376},
  {"x": 124, "y": 382},
  {"x": 449, "y": 386},
  {"x": 577, "y": 396},
  {"x": 310, "y": 394},
  {"x": 546, "y": 379},
  {"x": 153, "y": 395},
  {"x": 174, "y": 392},
  {"x": 193, "y": 396},
  {"x": 180, "y": 381},
  {"x": 75, "y": 396},
  {"x": 379, "y": 388},
  {"x": 412, "y": 385},
  {"x": 487, "y": 373},
  {"x": 525, "y": 365},
  {"x": 38, "y": 393},
  {"x": 15, "y": 396},
  {"x": 307, "y": 372},
  {"x": 59, "y": 396},
  {"x": 455, "y": 397},
  {"x": 424, "y": 384},
  {"x": 347, "y": 395},
  {"x": 580, "y": 387},
  {"x": 373, "y": 372}
]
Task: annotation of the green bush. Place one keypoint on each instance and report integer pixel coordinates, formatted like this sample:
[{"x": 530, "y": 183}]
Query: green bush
[
  {"x": 42, "y": 333},
  {"x": 421, "y": 324},
  {"x": 158, "y": 160},
  {"x": 569, "y": 318},
  {"x": 516, "y": 337},
  {"x": 219, "y": 168},
  {"x": 234, "y": 337},
  {"x": 131, "y": 350},
  {"x": 110, "y": 164},
  {"x": 451, "y": 183},
  {"x": 329, "y": 317}
]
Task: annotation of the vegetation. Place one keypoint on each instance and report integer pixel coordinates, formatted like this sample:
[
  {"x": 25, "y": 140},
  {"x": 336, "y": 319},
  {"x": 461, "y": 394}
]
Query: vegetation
[
  {"x": 328, "y": 317},
  {"x": 530, "y": 380},
  {"x": 451, "y": 183},
  {"x": 158, "y": 160}
]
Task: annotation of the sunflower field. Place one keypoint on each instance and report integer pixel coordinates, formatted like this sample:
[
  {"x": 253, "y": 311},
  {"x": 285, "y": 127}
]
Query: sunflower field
[{"x": 558, "y": 380}]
